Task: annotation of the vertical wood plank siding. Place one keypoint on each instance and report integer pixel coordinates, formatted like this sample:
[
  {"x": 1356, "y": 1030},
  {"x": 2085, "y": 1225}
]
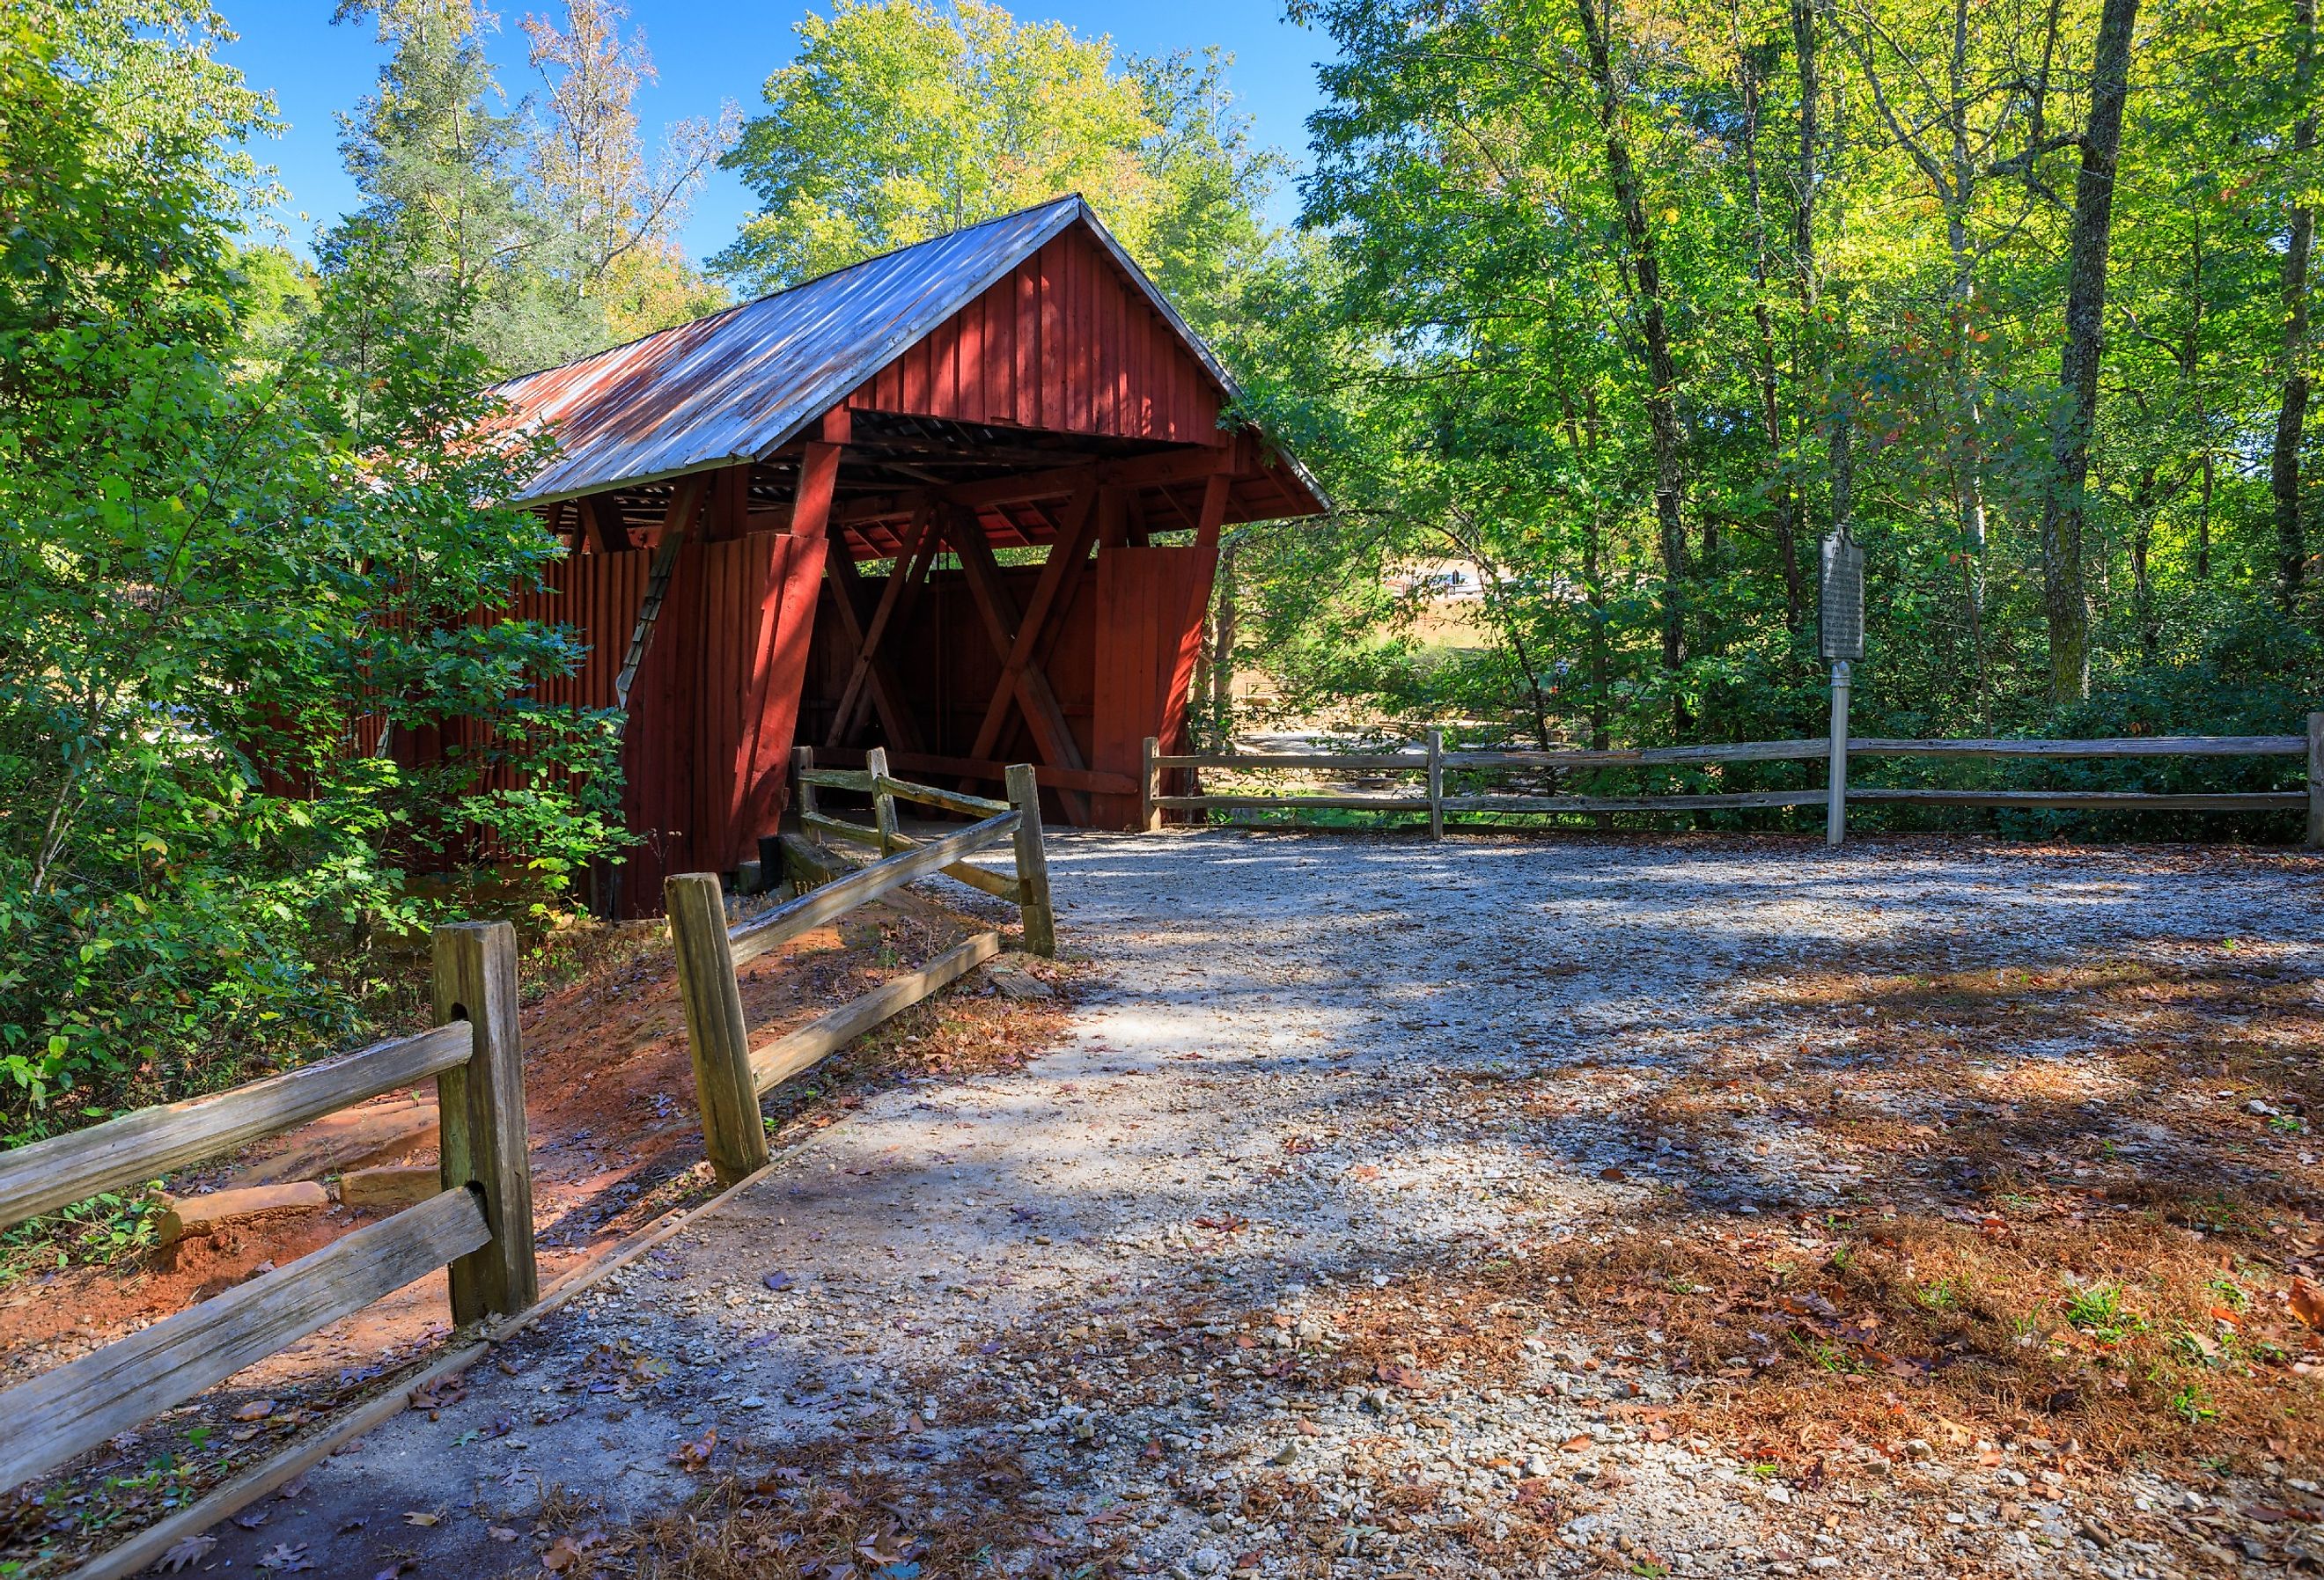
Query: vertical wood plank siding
[{"x": 1065, "y": 343}]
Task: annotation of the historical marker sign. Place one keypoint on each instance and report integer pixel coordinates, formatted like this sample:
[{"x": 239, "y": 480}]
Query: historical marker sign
[{"x": 1839, "y": 603}]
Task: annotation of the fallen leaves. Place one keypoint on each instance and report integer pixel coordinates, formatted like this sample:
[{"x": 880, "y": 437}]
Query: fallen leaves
[
  {"x": 571, "y": 1551},
  {"x": 420, "y": 1517},
  {"x": 2307, "y": 1302},
  {"x": 438, "y": 1394},
  {"x": 696, "y": 1456},
  {"x": 185, "y": 1553},
  {"x": 257, "y": 1409},
  {"x": 287, "y": 1557}
]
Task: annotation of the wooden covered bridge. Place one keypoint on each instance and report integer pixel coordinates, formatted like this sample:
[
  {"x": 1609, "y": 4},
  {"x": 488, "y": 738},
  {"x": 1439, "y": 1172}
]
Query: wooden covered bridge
[{"x": 1016, "y": 385}]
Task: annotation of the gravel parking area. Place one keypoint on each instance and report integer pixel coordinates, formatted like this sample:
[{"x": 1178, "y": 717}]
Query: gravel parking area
[{"x": 1501, "y": 1207}]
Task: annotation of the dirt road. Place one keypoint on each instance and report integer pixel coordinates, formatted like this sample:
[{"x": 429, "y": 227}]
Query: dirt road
[{"x": 1500, "y": 1207}]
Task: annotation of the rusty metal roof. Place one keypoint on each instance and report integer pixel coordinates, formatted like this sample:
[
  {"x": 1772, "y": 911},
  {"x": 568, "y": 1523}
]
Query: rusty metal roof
[{"x": 739, "y": 385}]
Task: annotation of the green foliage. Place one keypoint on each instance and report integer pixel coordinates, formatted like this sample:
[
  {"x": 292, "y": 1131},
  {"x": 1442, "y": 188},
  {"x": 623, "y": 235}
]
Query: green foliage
[
  {"x": 533, "y": 237},
  {"x": 1456, "y": 347},
  {"x": 901, "y": 119},
  {"x": 230, "y": 557}
]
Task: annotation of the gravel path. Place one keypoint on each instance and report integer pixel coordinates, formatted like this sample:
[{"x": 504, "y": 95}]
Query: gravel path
[{"x": 1140, "y": 1301}]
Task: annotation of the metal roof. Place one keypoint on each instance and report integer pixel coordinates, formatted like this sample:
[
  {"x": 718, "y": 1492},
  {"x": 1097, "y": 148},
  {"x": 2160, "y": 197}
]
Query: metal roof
[{"x": 739, "y": 385}]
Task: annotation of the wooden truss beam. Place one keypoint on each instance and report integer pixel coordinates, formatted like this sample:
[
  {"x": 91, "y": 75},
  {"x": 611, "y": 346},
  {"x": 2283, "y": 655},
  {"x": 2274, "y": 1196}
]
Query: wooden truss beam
[
  {"x": 887, "y": 694},
  {"x": 684, "y": 504},
  {"x": 1052, "y": 595},
  {"x": 602, "y": 523},
  {"x": 915, "y": 552},
  {"x": 1190, "y": 464},
  {"x": 1051, "y": 734}
]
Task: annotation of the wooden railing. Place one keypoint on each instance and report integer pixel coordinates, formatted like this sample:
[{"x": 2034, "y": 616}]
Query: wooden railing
[
  {"x": 1430, "y": 759},
  {"x": 480, "y": 1224},
  {"x": 729, "y": 1075}
]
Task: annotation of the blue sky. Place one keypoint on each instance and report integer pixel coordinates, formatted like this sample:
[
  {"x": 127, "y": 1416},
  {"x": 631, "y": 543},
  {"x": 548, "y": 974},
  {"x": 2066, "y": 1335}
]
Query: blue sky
[{"x": 706, "y": 52}]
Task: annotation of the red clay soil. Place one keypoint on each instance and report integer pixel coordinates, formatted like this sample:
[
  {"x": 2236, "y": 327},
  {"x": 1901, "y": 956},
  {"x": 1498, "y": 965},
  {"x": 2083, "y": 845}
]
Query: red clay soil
[{"x": 615, "y": 1141}]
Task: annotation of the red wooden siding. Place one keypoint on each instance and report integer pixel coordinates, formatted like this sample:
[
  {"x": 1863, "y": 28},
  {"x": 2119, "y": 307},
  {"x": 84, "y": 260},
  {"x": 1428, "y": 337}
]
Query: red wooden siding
[
  {"x": 715, "y": 706},
  {"x": 598, "y": 595},
  {"x": 1150, "y": 603},
  {"x": 1065, "y": 343}
]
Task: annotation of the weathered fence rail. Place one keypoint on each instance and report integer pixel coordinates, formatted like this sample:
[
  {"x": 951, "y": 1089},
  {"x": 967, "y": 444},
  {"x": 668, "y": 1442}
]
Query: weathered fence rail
[
  {"x": 1431, "y": 760},
  {"x": 480, "y": 1224},
  {"x": 729, "y": 1075}
]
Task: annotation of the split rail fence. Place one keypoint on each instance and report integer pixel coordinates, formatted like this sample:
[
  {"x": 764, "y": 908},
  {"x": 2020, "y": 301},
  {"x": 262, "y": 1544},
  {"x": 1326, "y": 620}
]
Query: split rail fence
[
  {"x": 730, "y": 1076},
  {"x": 479, "y": 1224},
  {"x": 1430, "y": 760}
]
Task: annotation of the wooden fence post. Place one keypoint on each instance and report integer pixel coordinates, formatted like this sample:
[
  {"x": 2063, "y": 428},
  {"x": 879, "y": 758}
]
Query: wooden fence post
[
  {"x": 2316, "y": 779},
  {"x": 480, "y": 1113},
  {"x": 1032, "y": 861},
  {"x": 715, "y": 1032},
  {"x": 1436, "y": 784},
  {"x": 1148, "y": 821},
  {"x": 802, "y": 764},
  {"x": 883, "y": 805}
]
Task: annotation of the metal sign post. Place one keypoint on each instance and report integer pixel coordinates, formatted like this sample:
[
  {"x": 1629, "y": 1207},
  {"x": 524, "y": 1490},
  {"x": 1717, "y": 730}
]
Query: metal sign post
[
  {"x": 1839, "y": 634},
  {"x": 1835, "y": 799}
]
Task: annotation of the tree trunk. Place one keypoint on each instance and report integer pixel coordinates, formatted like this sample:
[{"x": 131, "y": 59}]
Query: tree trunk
[
  {"x": 1771, "y": 417},
  {"x": 1804, "y": 262},
  {"x": 2143, "y": 511},
  {"x": 1223, "y": 647},
  {"x": 2203, "y": 518},
  {"x": 2291, "y": 416},
  {"x": 2062, "y": 514},
  {"x": 1594, "y": 585},
  {"x": 1662, "y": 371},
  {"x": 1968, "y": 459}
]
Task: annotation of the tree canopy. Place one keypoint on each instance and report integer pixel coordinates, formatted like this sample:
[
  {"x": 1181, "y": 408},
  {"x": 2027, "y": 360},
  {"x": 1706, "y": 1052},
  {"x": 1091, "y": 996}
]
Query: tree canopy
[{"x": 900, "y": 120}]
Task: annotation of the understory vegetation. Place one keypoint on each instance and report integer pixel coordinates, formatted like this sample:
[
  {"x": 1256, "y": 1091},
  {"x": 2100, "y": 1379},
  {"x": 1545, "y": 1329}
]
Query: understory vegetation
[{"x": 1595, "y": 320}]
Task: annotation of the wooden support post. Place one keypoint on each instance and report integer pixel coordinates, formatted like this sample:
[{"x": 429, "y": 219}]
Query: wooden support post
[
  {"x": 602, "y": 523},
  {"x": 1835, "y": 813},
  {"x": 1032, "y": 861},
  {"x": 1436, "y": 784},
  {"x": 2316, "y": 779},
  {"x": 1148, "y": 787},
  {"x": 480, "y": 1108},
  {"x": 715, "y": 1032},
  {"x": 803, "y": 764},
  {"x": 883, "y": 805}
]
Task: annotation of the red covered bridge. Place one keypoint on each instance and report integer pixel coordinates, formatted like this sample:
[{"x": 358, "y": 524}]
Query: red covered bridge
[{"x": 1019, "y": 384}]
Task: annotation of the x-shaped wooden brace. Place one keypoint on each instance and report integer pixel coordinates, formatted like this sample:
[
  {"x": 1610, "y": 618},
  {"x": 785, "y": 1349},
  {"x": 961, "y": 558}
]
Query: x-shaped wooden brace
[
  {"x": 1019, "y": 641},
  {"x": 870, "y": 671},
  {"x": 887, "y": 694}
]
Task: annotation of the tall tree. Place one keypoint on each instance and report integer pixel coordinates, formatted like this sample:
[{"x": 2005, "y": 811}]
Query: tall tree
[
  {"x": 225, "y": 556},
  {"x": 901, "y": 119},
  {"x": 1644, "y": 273},
  {"x": 612, "y": 219},
  {"x": 2065, "y": 506},
  {"x": 2299, "y": 240}
]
